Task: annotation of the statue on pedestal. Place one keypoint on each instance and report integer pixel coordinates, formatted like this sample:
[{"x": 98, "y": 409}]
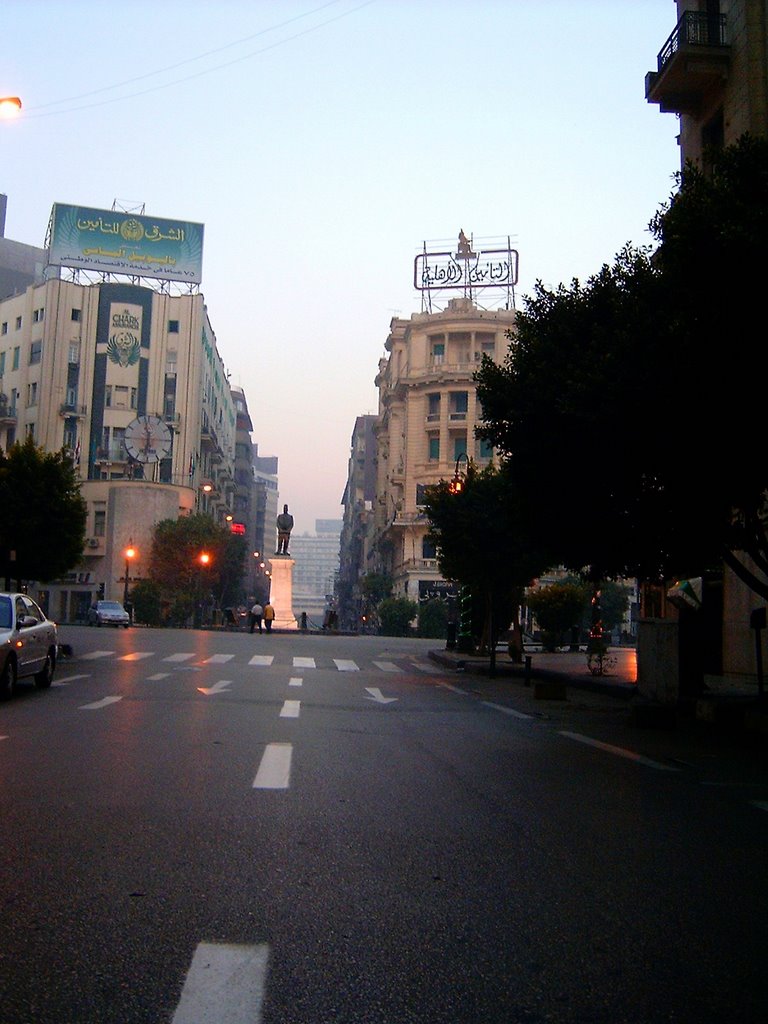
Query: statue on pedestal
[{"x": 284, "y": 527}]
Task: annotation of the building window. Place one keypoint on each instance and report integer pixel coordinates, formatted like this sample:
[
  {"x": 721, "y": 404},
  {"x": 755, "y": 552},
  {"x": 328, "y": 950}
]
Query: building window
[
  {"x": 173, "y": 326},
  {"x": 32, "y": 393},
  {"x": 458, "y": 405},
  {"x": 434, "y": 447},
  {"x": 76, "y": 315},
  {"x": 31, "y": 431},
  {"x": 38, "y": 315},
  {"x": 74, "y": 353},
  {"x": 437, "y": 353},
  {"x": 171, "y": 358},
  {"x": 2, "y": 363},
  {"x": 485, "y": 449},
  {"x": 99, "y": 524},
  {"x": 134, "y": 397},
  {"x": 4, "y": 327},
  {"x": 35, "y": 352},
  {"x": 459, "y": 445},
  {"x": 433, "y": 407},
  {"x": 18, "y": 323},
  {"x": 108, "y": 396},
  {"x": 428, "y": 549},
  {"x": 15, "y": 364}
]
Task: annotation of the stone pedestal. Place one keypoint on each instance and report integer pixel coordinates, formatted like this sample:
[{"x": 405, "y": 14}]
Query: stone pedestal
[{"x": 281, "y": 594}]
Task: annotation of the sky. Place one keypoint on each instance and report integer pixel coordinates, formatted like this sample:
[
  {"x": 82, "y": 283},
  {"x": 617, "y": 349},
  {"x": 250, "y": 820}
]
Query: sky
[{"x": 322, "y": 144}]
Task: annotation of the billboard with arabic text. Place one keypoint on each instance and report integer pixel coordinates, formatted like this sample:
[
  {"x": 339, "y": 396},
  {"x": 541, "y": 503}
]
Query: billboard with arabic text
[{"x": 114, "y": 242}]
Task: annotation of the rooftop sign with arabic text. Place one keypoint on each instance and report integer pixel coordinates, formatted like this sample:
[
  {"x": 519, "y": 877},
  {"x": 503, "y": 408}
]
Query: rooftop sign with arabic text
[
  {"x": 494, "y": 268},
  {"x": 114, "y": 242}
]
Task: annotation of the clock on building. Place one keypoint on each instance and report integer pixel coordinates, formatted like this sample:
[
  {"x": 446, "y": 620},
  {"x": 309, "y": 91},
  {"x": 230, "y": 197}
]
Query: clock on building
[{"x": 147, "y": 439}]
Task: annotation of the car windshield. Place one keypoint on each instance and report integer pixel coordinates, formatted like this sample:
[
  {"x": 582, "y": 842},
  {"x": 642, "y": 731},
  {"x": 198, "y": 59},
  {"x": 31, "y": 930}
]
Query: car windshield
[
  {"x": 5, "y": 613},
  {"x": 110, "y": 606}
]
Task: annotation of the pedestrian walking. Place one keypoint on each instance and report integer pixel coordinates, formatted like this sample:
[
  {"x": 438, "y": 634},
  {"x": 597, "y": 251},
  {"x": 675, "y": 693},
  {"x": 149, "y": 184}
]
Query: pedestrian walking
[
  {"x": 257, "y": 613},
  {"x": 269, "y": 616}
]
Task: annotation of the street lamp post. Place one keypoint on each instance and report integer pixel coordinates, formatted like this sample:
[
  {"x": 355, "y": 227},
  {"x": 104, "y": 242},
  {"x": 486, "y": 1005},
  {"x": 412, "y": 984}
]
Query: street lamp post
[
  {"x": 9, "y": 106},
  {"x": 464, "y": 643},
  {"x": 203, "y": 560},
  {"x": 130, "y": 554}
]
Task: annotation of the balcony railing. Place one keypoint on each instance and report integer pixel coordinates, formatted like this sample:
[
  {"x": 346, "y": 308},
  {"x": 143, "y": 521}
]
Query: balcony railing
[
  {"x": 8, "y": 413},
  {"x": 695, "y": 28},
  {"x": 70, "y": 409}
]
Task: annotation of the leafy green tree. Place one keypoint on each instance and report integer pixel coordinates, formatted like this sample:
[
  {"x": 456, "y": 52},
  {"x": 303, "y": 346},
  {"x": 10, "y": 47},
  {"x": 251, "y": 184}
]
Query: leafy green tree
[
  {"x": 395, "y": 616},
  {"x": 176, "y": 567},
  {"x": 559, "y": 610},
  {"x": 42, "y": 513},
  {"x": 481, "y": 544},
  {"x": 433, "y": 618},
  {"x": 617, "y": 396},
  {"x": 147, "y": 602}
]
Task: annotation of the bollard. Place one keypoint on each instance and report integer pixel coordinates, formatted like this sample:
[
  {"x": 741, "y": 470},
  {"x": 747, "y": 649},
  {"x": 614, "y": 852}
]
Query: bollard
[{"x": 527, "y": 670}]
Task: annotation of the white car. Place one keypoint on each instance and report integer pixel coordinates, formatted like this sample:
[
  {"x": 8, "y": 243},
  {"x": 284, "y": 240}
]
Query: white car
[
  {"x": 108, "y": 613},
  {"x": 28, "y": 643}
]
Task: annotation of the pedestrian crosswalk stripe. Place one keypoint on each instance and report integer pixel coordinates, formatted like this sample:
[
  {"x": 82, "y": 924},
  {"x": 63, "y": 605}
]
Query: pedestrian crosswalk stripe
[
  {"x": 387, "y": 666},
  {"x": 304, "y": 663},
  {"x": 218, "y": 659},
  {"x": 136, "y": 656},
  {"x": 343, "y": 665},
  {"x": 96, "y": 654},
  {"x": 426, "y": 666},
  {"x": 263, "y": 660},
  {"x": 185, "y": 656},
  {"x": 275, "y": 768},
  {"x": 290, "y": 709}
]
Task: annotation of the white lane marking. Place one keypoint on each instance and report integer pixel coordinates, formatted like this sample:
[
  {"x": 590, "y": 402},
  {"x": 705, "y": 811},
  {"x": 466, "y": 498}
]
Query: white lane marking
[
  {"x": 218, "y": 659},
  {"x": 506, "y": 711},
  {"x": 262, "y": 660},
  {"x": 158, "y": 675},
  {"x": 387, "y": 666},
  {"x": 69, "y": 679},
  {"x": 136, "y": 656},
  {"x": 182, "y": 656},
  {"x": 304, "y": 663},
  {"x": 224, "y": 983},
  {"x": 630, "y": 755},
  {"x": 453, "y": 689},
  {"x": 295, "y": 681},
  {"x": 344, "y": 665},
  {"x": 220, "y": 687},
  {"x": 761, "y": 805},
  {"x": 426, "y": 666},
  {"x": 98, "y": 704},
  {"x": 275, "y": 768},
  {"x": 95, "y": 654},
  {"x": 290, "y": 709},
  {"x": 375, "y": 694}
]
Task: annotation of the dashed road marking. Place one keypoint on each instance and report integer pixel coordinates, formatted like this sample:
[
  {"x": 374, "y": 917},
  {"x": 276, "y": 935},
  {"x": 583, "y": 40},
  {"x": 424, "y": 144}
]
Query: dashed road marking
[
  {"x": 262, "y": 660},
  {"x": 97, "y": 705},
  {"x": 345, "y": 665},
  {"x": 275, "y": 768},
  {"x": 387, "y": 666},
  {"x": 505, "y": 711},
  {"x": 181, "y": 656},
  {"x": 304, "y": 663},
  {"x": 224, "y": 983},
  {"x": 630, "y": 755}
]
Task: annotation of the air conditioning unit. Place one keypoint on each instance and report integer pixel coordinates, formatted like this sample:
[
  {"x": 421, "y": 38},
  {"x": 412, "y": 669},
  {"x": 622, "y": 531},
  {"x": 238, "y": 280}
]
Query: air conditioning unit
[{"x": 92, "y": 542}]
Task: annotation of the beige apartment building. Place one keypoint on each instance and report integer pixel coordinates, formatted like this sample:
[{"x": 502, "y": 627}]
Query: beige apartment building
[
  {"x": 130, "y": 380},
  {"x": 428, "y": 412},
  {"x": 712, "y": 71}
]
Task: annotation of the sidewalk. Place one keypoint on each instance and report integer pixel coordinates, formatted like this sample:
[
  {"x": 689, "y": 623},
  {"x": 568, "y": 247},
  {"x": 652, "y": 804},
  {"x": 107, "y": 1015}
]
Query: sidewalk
[{"x": 551, "y": 675}]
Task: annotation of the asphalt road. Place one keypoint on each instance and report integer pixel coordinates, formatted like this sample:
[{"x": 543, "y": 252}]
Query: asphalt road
[{"x": 235, "y": 829}]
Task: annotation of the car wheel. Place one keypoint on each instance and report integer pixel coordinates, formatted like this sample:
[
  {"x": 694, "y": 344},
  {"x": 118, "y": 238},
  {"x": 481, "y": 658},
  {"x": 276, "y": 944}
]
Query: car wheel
[
  {"x": 8, "y": 679},
  {"x": 44, "y": 677}
]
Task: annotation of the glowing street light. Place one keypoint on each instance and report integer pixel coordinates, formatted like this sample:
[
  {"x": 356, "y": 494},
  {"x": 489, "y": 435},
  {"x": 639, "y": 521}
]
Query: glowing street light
[
  {"x": 9, "y": 106},
  {"x": 130, "y": 553}
]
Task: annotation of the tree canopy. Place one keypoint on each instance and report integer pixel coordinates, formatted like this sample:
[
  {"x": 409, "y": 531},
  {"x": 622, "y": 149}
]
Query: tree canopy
[
  {"x": 42, "y": 513},
  {"x": 629, "y": 407}
]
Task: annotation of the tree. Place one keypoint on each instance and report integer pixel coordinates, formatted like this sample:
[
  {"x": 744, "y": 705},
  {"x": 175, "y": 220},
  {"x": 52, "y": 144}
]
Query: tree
[
  {"x": 559, "y": 609},
  {"x": 630, "y": 407},
  {"x": 395, "y": 616},
  {"x": 433, "y": 618},
  {"x": 42, "y": 513},
  {"x": 481, "y": 543},
  {"x": 147, "y": 602},
  {"x": 175, "y": 564}
]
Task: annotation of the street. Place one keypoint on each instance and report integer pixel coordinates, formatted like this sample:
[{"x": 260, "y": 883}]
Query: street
[{"x": 298, "y": 829}]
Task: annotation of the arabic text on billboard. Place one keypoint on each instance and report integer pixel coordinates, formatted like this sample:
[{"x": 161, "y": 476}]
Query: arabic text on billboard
[{"x": 113, "y": 242}]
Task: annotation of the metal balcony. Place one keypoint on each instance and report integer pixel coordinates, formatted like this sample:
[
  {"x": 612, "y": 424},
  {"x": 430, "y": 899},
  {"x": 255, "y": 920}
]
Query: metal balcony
[{"x": 693, "y": 63}]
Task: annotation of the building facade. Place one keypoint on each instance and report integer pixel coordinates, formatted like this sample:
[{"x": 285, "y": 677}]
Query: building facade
[
  {"x": 358, "y": 502},
  {"x": 428, "y": 412},
  {"x": 315, "y": 571},
  {"x": 712, "y": 72},
  {"x": 130, "y": 380}
]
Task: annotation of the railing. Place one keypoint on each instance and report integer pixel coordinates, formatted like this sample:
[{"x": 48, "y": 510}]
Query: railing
[
  {"x": 695, "y": 28},
  {"x": 7, "y": 412},
  {"x": 70, "y": 409}
]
